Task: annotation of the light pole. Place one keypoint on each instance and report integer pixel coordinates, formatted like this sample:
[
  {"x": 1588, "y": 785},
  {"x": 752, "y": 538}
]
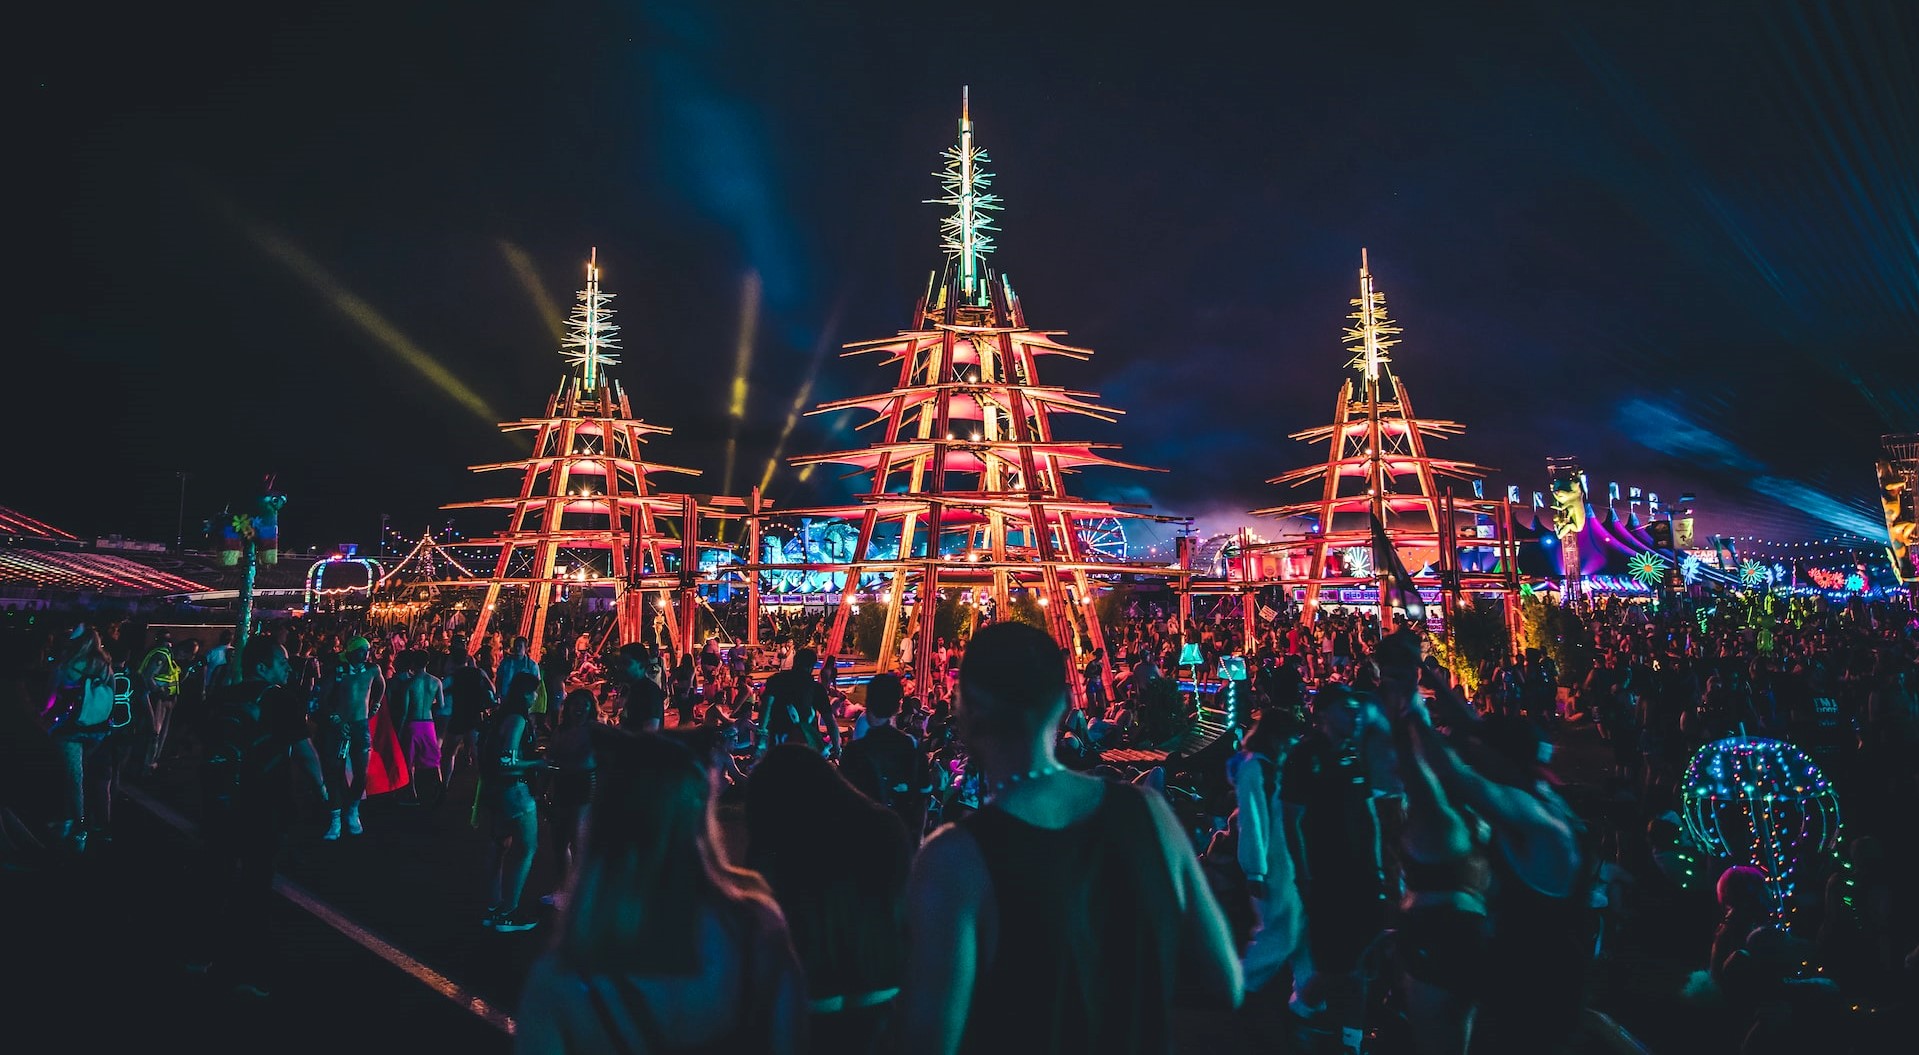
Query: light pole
[
  {"x": 383, "y": 522},
  {"x": 180, "y": 522}
]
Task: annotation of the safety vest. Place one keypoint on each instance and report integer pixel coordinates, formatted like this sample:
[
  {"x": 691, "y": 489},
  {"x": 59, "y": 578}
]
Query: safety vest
[{"x": 167, "y": 679}]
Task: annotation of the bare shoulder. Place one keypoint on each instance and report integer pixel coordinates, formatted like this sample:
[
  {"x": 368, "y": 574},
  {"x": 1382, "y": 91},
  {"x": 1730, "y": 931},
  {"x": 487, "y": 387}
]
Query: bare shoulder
[
  {"x": 1172, "y": 838},
  {"x": 949, "y": 867}
]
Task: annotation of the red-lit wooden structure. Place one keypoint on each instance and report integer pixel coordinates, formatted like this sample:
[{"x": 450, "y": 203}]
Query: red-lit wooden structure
[
  {"x": 1377, "y": 465},
  {"x": 966, "y": 481}
]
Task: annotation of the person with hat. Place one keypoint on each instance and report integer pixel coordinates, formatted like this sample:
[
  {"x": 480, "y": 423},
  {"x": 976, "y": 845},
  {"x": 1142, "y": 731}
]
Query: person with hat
[{"x": 350, "y": 696}]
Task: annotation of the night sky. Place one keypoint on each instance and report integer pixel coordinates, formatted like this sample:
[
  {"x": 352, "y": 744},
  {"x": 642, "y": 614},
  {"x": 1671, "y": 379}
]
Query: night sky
[{"x": 317, "y": 239}]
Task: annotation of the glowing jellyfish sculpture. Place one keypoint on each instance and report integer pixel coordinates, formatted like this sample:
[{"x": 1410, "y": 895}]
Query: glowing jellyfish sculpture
[{"x": 1762, "y": 803}]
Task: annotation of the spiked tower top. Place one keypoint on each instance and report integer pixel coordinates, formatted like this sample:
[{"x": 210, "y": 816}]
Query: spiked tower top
[
  {"x": 1372, "y": 335},
  {"x": 966, "y": 234},
  {"x": 592, "y": 340}
]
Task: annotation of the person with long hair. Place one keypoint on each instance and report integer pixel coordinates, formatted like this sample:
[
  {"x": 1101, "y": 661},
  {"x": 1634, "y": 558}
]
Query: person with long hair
[
  {"x": 837, "y": 863},
  {"x": 663, "y": 945},
  {"x": 1062, "y": 914},
  {"x": 78, "y": 707},
  {"x": 505, "y": 799}
]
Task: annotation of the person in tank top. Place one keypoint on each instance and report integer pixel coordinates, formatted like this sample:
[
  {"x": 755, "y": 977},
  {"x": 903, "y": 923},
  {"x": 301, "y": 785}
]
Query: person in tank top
[{"x": 1068, "y": 912}]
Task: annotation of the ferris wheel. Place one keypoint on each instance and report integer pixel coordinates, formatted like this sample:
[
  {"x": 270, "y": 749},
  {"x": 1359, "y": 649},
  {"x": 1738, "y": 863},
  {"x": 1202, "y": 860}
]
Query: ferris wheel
[{"x": 1102, "y": 538}]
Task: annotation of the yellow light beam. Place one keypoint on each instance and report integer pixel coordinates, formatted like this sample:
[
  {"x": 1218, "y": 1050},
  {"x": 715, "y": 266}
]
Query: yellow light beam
[
  {"x": 743, "y": 352},
  {"x": 742, "y": 362},
  {"x": 792, "y": 419},
  {"x": 732, "y": 450},
  {"x": 349, "y": 304},
  {"x": 800, "y": 399},
  {"x": 529, "y": 276}
]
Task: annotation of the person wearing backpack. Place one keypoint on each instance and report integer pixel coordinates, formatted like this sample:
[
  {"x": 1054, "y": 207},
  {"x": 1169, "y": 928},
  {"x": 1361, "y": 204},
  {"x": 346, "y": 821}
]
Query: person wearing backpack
[
  {"x": 796, "y": 708},
  {"x": 78, "y": 708},
  {"x": 257, "y": 750},
  {"x": 886, "y": 765}
]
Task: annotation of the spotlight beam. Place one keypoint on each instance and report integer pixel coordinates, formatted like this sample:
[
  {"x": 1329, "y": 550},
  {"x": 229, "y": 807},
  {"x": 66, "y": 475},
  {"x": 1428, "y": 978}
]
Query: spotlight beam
[
  {"x": 742, "y": 363},
  {"x": 362, "y": 314},
  {"x": 529, "y": 276}
]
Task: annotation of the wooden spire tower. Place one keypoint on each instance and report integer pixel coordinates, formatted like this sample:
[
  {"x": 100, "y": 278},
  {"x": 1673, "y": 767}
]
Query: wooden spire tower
[
  {"x": 1377, "y": 465},
  {"x": 966, "y": 480},
  {"x": 586, "y": 516}
]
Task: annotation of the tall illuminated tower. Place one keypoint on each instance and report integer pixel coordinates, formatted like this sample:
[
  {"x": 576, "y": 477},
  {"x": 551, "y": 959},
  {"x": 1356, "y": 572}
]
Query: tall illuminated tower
[
  {"x": 1377, "y": 466},
  {"x": 586, "y": 516},
  {"x": 966, "y": 484}
]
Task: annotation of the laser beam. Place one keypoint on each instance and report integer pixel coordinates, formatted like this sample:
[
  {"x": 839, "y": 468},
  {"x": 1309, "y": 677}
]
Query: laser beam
[
  {"x": 529, "y": 276},
  {"x": 362, "y": 314},
  {"x": 742, "y": 363}
]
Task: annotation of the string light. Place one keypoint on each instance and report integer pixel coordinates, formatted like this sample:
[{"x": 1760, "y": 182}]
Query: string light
[{"x": 1763, "y": 803}]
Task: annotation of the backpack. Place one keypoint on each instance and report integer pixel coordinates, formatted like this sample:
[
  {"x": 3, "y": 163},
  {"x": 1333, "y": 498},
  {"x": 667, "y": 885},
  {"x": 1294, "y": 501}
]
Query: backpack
[
  {"x": 84, "y": 705},
  {"x": 786, "y": 723}
]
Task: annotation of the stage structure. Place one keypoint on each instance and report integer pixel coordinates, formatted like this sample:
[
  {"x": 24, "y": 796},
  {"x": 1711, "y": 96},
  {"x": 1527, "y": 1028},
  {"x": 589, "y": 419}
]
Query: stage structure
[
  {"x": 1377, "y": 466},
  {"x": 587, "y": 516},
  {"x": 967, "y": 479}
]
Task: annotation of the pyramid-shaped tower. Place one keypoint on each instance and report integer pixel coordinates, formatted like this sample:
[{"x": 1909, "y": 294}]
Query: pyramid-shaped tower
[
  {"x": 1377, "y": 466},
  {"x": 586, "y": 515},
  {"x": 966, "y": 480}
]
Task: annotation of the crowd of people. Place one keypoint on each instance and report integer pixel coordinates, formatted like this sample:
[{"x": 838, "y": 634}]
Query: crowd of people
[{"x": 781, "y": 860}]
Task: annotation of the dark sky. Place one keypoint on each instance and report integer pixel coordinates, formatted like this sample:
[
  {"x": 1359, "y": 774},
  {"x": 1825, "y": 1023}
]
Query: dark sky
[{"x": 1683, "y": 247}]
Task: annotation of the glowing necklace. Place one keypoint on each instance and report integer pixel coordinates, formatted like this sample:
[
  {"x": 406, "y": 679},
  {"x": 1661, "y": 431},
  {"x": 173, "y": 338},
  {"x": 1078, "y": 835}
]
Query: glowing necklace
[{"x": 1001, "y": 786}]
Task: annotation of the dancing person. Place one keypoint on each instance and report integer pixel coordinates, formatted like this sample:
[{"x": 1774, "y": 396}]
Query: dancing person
[
  {"x": 417, "y": 698},
  {"x": 1058, "y": 916},
  {"x": 1443, "y": 926},
  {"x": 1279, "y": 935},
  {"x": 350, "y": 697},
  {"x": 837, "y": 863},
  {"x": 79, "y": 708},
  {"x": 1533, "y": 987},
  {"x": 505, "y": 800},
  {"x": 1336, "y": 784},
  {"x": 663, "y": 945}
]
